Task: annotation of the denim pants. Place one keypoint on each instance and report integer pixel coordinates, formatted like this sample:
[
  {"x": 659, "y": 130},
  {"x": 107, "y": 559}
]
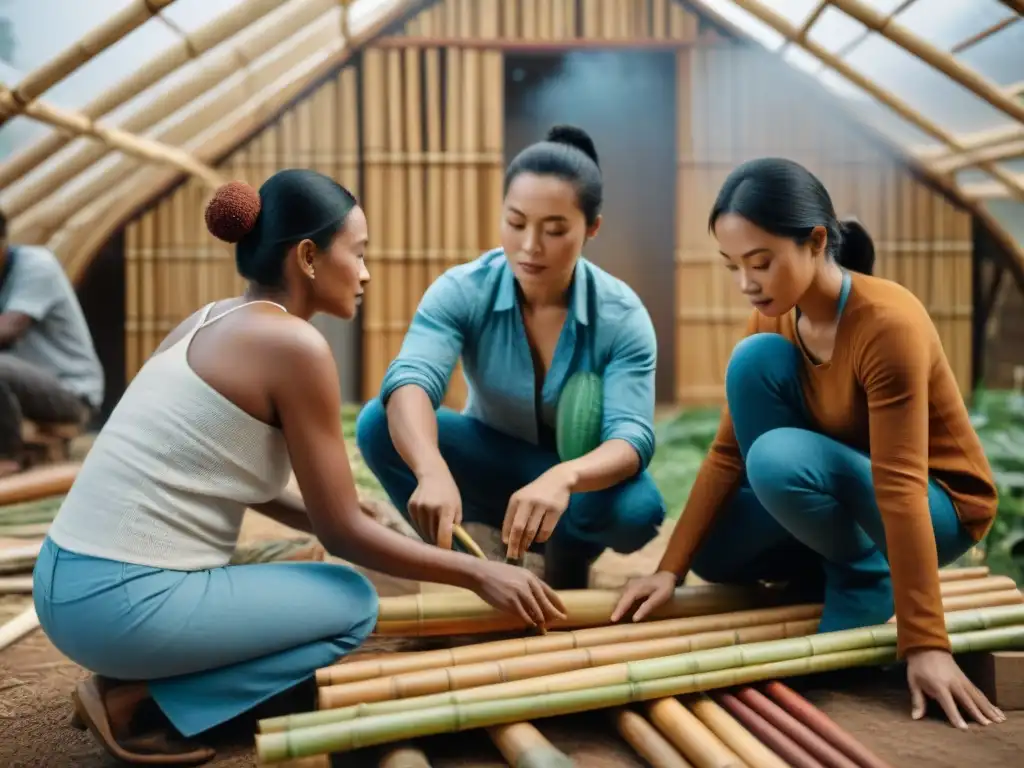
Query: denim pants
[
  {"x": 806, "y": 508},
  {"x": 489, "y": 466},
  {"x": 210, "y": 644}
]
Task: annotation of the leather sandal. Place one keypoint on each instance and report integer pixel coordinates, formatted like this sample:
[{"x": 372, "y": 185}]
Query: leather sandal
[{"x": 155, "y": 748}]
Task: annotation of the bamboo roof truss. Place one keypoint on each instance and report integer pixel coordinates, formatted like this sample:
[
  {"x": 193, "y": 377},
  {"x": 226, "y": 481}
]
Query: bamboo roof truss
[{"x": 73, "y": 194}]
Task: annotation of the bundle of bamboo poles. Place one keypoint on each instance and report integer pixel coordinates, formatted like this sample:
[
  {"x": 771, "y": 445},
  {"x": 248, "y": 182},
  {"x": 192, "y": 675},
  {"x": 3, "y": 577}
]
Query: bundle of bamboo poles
[{"x": 705, "y": 639}]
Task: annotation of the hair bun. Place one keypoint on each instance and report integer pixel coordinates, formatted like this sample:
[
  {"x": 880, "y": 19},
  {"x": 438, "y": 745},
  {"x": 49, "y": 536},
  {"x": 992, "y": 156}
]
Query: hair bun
[
  {"x": 574, "y": 137},
  {"x": 232, "y": 212}
]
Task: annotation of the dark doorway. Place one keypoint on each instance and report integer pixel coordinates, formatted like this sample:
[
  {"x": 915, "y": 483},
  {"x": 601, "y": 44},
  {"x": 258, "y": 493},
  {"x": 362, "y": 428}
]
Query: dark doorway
[{"x": 626, "y": 101}]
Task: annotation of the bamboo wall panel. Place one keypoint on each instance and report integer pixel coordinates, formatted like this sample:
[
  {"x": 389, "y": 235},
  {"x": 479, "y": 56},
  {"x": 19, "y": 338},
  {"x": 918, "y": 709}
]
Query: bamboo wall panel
[
  {"x": 738, "y": 102},
  {"x": 173, "y": 265}
]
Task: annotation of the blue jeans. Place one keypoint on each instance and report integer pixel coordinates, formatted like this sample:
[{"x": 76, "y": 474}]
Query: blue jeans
[
  {"x": 489, "y": 466},
  {"x": 806, "y": 509},
  {"x": 210, "y": 644}
]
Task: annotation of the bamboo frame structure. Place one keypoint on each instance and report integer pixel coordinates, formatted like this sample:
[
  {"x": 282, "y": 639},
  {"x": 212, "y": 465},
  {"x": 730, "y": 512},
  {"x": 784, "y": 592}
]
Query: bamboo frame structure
[
  {"x": 44, "y": 77},
  {"x": 114, "y": 138}
]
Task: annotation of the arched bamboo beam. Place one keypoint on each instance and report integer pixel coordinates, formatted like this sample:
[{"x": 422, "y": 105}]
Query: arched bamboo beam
[
  {"x": 1004, "y": 151},
  {"x": 988, "y": 190},
  {"x": 78, "y": 243},
  {"x": 97, "y": 40},
  {"x": 788, "y": 30},
  {"x": 224, "y": 64},
  {"x": 189, "y": 47},
  {"x": 114, "y": 138},
  {"x": 930, "y": 54},
  {"x": 972, "y": 142},
  {"x": 39, "y": 223}
]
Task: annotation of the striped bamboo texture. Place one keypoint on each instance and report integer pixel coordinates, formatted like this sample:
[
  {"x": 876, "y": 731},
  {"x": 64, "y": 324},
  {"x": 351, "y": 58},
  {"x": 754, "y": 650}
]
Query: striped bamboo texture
[
  {"x": 740, "y": 102},
  {"x": 418, "y": 132}
]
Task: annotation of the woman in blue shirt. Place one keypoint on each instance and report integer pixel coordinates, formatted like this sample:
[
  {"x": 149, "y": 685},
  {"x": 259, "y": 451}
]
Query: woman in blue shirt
[{"x": 524, "y": 318}]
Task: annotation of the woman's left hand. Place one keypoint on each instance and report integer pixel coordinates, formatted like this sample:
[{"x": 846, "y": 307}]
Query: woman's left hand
[
  {"x": 534, "y": 511},
  {"x": 934, "y": 672}
]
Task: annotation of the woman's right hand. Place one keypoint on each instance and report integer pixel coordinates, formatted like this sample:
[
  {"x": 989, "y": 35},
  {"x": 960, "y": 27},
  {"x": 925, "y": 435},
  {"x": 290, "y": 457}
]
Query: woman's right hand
[
  {"x": 654, "y": 590},
  {"x": 436, "y": 507},
  {"x": 516, "y": 590}
]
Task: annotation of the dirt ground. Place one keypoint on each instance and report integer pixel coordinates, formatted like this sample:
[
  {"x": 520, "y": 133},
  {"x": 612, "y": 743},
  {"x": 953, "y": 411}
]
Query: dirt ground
[{"x": 36, "y": 682}]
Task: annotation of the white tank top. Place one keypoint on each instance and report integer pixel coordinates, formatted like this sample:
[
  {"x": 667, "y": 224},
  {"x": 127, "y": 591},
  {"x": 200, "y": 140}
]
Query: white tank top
[{"x": 167, "y": 481}]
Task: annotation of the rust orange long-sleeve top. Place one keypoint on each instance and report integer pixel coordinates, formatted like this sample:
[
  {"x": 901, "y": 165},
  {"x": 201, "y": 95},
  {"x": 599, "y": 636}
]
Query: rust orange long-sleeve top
[{"x": 889, "y": 391}]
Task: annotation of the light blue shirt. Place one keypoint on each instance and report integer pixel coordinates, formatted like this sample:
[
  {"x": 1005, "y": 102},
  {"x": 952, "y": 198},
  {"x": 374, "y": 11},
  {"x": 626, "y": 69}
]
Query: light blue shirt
[{"x": 472, "y": 311}]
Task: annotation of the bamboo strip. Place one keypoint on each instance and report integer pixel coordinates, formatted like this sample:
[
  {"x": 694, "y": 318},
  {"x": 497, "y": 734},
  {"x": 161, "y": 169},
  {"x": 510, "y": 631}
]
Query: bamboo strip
[
  {"x": 443, "y": 679},
  {"x": 648, "y": 742},
  {"x": 363, "y": 669},
  {"x": 638, "y": 686},
  {"x": 825, "y": 726},
  {"x": 115, "y": 138},
  {"x": 733, "y": 734},
  {"x": 799, "y": 732},
  {"x": 458, "y": 612},
  {"x": 84, "y": 49},
  {"x": 768, "y": 733},
  {"x": 523, "y": 746},
  {"x": 697, "y": 743},
  {"x": 18, "y": 627},
  {"x": 685, "y": 663}
]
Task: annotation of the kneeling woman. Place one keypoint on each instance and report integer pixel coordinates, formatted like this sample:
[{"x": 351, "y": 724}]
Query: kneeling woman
[
  {"x": 133, "y": 582},
  {"x": 846, "y": 449},
  {"x": 524, "y": 318}
]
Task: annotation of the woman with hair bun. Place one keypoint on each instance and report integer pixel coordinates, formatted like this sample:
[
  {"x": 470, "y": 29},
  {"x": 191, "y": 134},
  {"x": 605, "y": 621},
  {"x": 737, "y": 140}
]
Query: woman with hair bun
[
  {"x": 134, "y": 583},
  {"x": 524, "y": 318},
  {"x": 845, "y": 454}
]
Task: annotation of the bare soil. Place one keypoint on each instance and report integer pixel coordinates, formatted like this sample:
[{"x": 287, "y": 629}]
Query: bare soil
[{"x": 36, "y": 682}]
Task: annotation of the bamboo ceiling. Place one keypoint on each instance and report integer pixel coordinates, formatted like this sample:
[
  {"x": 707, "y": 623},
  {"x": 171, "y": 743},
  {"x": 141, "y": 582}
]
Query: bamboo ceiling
[{"x": 945, "y": 85}]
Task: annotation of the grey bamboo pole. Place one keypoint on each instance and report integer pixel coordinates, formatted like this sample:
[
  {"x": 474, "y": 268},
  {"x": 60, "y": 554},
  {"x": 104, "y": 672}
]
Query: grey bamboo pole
[{"x": 94, "y": 42}]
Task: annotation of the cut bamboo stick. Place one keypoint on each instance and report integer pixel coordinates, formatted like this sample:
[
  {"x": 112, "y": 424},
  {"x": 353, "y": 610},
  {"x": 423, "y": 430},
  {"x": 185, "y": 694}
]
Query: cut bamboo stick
[
  {"x": 646, "y": 740},
  {"x": 115, "y": 138},
  {"x": 732, "y": 733},
  {"x": 84, "y": 49},
  {"x": 716, "y": 659},
  {"x": 443, "y": 679},
  {"x": 396, "y": 664},
  {"x": 691, "y": 737},
  {"x": 523, "y": 746},
  {"x": 768, "y": 733},
  {"x": 814, "y": 743},
  {"x": 15, "y": 585},
  {"x": 467, "y": 541},
  {"x": 16, "y": 628},
  {"x": 459, "y": 612},
  {"x": 638, "y": 686},
  {"x": 823, "y": 725},
  {"x": 404, "y": 756},
  {"x": 38, "y": 483}
]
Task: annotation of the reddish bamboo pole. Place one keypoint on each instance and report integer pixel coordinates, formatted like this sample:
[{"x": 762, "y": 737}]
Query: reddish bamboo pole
[
  {"x": 822, "y": 724},
  {"x": 802, "y": 734},
  {"x": 771, "y": 736}
]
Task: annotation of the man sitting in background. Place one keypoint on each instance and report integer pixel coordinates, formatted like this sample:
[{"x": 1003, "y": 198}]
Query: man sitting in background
[{"x": 49, "y": 371}]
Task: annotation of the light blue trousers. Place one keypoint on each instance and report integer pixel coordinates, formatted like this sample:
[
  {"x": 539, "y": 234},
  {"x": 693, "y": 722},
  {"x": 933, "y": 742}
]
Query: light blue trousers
[
  {"x": 210, "y": 644},
  {"x": 806, "y": 510}
]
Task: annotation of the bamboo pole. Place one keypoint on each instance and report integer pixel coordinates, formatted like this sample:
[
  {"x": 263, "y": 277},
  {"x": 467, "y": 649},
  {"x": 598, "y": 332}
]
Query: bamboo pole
[
  {"x": 732, "y": 733},
  {"x": 220, "y": 66},
  {"x": 15, "y": 585},
  {"x": 189, "y": 47},
  {"x": 522, "y": 667},
  {"x": 115, "y": 138},
  {"x": 647, "y": 740},
  {"x": 768, "y": 733},
  {"x": 823, "y": 725},
  {"x": 18, "y": 627},
  {"x": 87, "y": 47},
  {"x": 931, "y": 54},
  {"x": 523, "y": 746},
  {"x": 715, "y": 659},
  {"x": 659, "y": 680},
  {"x": 404, "y": 756},
  {"x": 694, "y": 740}
]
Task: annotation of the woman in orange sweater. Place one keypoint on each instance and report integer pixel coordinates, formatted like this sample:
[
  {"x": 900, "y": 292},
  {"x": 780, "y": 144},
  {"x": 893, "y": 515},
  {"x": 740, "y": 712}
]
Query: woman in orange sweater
[{"x": 845, "y": 451}]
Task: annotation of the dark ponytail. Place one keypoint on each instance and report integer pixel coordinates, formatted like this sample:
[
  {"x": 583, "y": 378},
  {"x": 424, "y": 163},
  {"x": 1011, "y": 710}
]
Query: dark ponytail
[{"x": 784, "y": 198}]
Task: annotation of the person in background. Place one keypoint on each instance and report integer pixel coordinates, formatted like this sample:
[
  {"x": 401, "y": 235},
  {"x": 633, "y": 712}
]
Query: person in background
[
  {"x": 134, "y": 581},
  {"x": 524, "y": 318},
  {"x": 49, "y": 370},
  {"x": 845, "y": 453}
]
